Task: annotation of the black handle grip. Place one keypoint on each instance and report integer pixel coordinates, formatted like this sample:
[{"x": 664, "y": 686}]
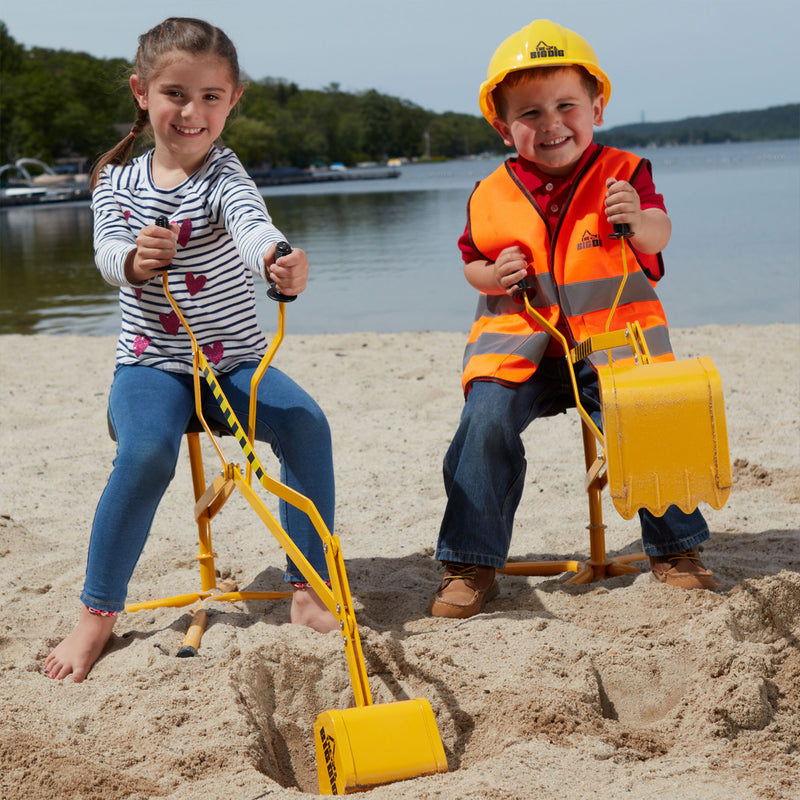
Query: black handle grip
[
  {"x": 281, "y": 249},
  {"x": 162, "y": 222},
  {"x": 621, "y": 231},
  {"x": 522, "y": 286}
]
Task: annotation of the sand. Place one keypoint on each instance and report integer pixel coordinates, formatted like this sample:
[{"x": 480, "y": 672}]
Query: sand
[{"x": 624, "y": 688}]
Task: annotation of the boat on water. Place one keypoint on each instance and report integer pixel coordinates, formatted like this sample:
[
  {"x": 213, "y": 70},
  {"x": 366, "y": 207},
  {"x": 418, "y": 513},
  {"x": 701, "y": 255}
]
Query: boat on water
[
  {"x": 19, "y": 187},
  {"x": 21, "y": 183},
  {"x": 281, "y": 176}
]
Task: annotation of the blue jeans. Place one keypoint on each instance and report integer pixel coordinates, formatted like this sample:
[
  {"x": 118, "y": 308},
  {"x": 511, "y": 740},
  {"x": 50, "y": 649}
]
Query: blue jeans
[
  {"x": 149, "y": 409},
  {"x": 484, "y": 468}
]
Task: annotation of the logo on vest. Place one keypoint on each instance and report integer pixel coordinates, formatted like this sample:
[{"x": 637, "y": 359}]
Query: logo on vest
[
  {"x": 546, "y": 51},
  {"x": 589, "y": 240},
  {"x": 329, "y": 749}
]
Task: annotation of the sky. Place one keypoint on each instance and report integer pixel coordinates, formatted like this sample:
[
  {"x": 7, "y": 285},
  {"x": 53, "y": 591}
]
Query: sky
[{"x": 667, "y": 59}]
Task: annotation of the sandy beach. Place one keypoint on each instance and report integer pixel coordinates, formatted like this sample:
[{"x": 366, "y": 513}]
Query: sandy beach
[{"x": 624, "y": 688}]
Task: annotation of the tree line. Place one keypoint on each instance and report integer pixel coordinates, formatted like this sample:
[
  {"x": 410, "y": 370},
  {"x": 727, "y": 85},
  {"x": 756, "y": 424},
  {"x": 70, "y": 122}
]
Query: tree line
[
  {"x": 59, "y": 106},
  {"x": 777, "y": 122}
]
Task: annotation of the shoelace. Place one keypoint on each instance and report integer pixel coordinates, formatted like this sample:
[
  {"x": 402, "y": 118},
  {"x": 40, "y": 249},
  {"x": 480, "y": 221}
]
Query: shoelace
[
  {"x": 463, "y": 572},
  {"x": 691, "y": 555}
]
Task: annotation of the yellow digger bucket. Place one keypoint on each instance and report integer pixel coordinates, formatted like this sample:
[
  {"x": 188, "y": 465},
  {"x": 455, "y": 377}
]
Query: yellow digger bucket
[
  {"x": 363, "y": 747},
  {"x": 666, "y": 438}
]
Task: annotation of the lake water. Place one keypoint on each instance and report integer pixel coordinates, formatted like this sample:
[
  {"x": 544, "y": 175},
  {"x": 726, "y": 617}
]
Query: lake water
[{"x": 384, "y": 257}]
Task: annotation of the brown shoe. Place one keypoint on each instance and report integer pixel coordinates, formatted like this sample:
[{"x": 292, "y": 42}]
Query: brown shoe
[
  {"x": 684, "y": 570},
  {"x": 464, "y": 590}
]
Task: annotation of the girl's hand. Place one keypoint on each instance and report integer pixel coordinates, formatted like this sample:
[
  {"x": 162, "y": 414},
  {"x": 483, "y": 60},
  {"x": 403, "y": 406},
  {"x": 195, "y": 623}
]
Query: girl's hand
[
  {"x": 155, "y": 250},
  {"x": 510, "y": 268},
  {"x": 623, "y": 204},
  {"x": 289, "y": 273}
]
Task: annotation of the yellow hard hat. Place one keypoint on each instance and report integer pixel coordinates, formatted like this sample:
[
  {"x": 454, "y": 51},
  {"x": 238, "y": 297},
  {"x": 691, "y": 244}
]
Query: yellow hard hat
[{"x": 540, "y": 44}]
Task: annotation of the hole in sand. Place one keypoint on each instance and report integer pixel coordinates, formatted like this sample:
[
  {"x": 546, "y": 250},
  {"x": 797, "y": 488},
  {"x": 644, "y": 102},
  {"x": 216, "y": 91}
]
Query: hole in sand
[
  {"x": 638, "y": 694},
  {"x": 282, "y": 690}
]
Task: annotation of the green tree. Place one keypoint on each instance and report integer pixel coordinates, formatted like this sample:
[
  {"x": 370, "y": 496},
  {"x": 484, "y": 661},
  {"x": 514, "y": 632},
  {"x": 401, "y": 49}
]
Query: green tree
[
  {"x": 57, "y": 104},
  {"x": 251, "y": 139},
  {"x": 11, "y": 53},
  {"x": 456, "y": 135}
]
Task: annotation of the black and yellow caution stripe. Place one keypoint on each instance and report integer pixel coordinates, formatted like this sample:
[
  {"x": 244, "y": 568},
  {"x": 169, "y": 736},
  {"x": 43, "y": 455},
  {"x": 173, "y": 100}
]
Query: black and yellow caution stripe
[{"x": 231, "y": 419}]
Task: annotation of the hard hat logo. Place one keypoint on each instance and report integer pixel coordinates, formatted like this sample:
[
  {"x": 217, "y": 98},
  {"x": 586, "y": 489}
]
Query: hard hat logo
[{"x": 546, "y": 51}]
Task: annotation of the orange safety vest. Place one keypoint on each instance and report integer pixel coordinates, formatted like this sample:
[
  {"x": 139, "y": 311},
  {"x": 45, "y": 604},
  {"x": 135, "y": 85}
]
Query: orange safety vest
[{"x": 575, "y": 273}]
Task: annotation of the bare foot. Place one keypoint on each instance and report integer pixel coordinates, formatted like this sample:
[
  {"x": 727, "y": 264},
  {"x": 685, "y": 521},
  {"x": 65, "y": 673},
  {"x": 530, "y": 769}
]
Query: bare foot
[
  {"x": 309, "y": 610},
  {"x": 76, "y": 654}
]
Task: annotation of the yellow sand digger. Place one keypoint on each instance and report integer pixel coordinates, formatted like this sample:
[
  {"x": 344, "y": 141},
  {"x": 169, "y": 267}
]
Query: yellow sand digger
[
  {"x": 356, "y": 748},
  {"x": 664, "y": 439}
]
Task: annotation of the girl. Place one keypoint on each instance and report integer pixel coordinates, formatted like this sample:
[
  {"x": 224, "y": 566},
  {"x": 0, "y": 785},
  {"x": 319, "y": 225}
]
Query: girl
[{"x": 186, "y": 83}]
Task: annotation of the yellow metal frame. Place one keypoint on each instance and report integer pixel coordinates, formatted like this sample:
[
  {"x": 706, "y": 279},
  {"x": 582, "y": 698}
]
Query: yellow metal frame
[
  {"x": 210, "y": 499},
  {"x": 598, "y": 565},
  {"x": 356, "y": 748}
]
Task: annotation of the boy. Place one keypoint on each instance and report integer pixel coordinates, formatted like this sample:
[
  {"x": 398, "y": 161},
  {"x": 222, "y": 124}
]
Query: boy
[{"x": 545, "y": 218}]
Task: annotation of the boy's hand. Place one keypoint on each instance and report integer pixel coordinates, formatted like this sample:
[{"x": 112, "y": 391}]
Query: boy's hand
[
  {"x": 155, "y": 249},
  {"x": 650, "y": 228},
  {"x": 622, "y": 204},
  {"x": 510, "y": 268},
  {"x": 289, "y": 273}
]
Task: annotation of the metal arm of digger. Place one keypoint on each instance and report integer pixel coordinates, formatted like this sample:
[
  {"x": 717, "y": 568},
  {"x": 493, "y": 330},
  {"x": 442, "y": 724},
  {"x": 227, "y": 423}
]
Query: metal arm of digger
[
  {"x": 632, "y": 336},
  {"x": 337, "y": 597}
]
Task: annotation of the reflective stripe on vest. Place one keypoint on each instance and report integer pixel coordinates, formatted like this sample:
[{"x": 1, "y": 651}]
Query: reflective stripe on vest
[{"x": 579, "y": 277}]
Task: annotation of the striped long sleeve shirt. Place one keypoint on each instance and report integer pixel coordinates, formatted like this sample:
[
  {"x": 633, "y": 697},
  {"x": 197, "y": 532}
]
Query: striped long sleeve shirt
[{"x": 225, "y": 231}]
